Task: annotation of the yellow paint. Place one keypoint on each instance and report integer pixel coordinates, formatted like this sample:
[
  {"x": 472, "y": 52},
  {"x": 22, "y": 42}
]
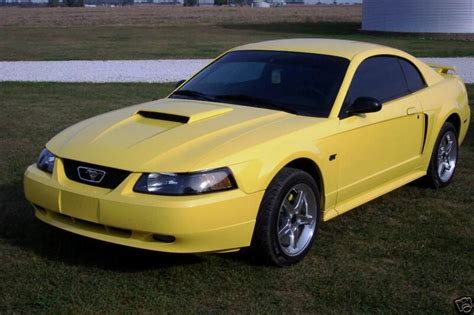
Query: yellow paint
[{"x": 375, "y": 153}]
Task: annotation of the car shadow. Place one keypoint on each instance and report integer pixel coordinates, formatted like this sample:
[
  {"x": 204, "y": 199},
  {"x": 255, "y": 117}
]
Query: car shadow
[{"x": 20, "y": 228}]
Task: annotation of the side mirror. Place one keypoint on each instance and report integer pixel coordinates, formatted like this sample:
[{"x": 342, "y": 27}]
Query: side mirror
[
  {"x": 178, "y": 84},
  {"x": 364, "y": 105}
]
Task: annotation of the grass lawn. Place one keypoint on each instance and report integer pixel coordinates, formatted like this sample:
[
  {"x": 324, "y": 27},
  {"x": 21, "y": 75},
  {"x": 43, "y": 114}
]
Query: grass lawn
[
  {"x": 152, "y": 32},
  {"x": 410, "y": 251}
]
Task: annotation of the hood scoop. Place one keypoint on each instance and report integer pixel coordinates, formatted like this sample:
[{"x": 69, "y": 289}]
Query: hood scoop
[
  {"x": 164, "y": 116},
  {"x": 184, "y": 112}
]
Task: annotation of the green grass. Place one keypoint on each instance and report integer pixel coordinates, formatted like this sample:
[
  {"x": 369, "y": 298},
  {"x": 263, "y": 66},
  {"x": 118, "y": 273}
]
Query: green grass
[
  {"x": 193, "y": 41},
  {"x": 410, "y": 251}
]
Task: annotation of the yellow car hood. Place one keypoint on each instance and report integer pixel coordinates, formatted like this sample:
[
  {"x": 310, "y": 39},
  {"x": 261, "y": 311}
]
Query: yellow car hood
[{"x": 165, "y": 135}]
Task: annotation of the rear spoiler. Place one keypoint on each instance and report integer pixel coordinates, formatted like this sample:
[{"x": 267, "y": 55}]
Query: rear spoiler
[{"x": 442, "y": 69}]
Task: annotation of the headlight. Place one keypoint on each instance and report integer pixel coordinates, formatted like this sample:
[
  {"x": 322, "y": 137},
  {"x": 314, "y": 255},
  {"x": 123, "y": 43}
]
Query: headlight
[
  {"x": 46, "y": 161},
  {"x": 186, "y": 183}
]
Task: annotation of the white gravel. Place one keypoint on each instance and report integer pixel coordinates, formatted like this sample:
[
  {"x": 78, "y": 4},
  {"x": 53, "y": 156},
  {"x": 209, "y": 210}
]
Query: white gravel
[
  {"x": 144, "y": 70},
  {"x": 100, "y": 71}
]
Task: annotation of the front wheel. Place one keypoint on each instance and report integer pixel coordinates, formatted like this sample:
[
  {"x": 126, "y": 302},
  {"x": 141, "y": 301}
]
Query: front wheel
[
  {"x": 444, "y": 157},
  {"x": 288, "y": 218}
]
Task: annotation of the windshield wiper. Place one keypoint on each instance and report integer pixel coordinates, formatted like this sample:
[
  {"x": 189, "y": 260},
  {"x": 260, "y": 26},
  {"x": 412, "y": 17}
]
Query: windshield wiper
[
  {"x": 249, "y": 100},
  {"x": 194, "y": 94}
]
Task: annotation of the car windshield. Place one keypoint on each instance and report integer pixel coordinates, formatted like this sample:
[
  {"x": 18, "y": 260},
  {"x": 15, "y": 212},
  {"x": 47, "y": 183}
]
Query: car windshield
[{"x": 299, "y": 83}]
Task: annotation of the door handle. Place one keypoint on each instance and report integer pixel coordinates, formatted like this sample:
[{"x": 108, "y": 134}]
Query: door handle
[{"x": 412, "y": 110}]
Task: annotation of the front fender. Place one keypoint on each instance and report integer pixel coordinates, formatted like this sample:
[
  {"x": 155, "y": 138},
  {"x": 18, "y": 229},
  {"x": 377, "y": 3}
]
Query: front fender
[{"x": 256, "y": 175}]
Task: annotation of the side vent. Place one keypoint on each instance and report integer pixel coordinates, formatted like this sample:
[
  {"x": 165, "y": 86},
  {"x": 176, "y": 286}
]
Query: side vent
[
  {"x": 425, "y": 131},
  {"x": 164, "y": 116}
]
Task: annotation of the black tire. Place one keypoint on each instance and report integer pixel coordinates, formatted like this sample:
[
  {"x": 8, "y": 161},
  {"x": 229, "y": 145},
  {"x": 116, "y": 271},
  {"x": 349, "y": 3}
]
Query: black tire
[
  {"x": 433, "y": 179},
  {"x": 266, "y": 244}
]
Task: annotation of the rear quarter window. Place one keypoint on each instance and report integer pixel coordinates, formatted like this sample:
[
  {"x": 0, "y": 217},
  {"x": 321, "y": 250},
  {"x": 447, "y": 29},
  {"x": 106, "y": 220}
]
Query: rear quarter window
[{"x": 413, "y": 76}]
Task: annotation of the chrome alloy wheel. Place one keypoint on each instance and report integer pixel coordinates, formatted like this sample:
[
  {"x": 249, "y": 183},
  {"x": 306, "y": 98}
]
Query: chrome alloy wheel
[
  {"x": 447, "y": 156},
  {"x": 297, "y": 220}
]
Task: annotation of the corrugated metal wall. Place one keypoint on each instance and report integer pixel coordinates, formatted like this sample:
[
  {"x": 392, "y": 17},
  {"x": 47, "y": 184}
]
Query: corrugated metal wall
[{"x": 424, "y": 16}]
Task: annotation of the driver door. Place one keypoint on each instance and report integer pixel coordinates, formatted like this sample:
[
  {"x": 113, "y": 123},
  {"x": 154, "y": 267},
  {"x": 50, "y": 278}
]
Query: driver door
[{"x": 376, "y": 148}]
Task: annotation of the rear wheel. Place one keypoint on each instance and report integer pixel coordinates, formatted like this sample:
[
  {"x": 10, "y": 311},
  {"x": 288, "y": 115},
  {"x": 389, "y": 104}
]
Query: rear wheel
[
  {"x": 444, "y": 157},
  {"x": 288, "y": 218}
]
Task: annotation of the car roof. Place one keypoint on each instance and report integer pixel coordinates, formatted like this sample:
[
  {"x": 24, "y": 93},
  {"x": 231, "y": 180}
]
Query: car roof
[
  {"x": 335, "y": 47},
  {"x": 348, "y": 49}
]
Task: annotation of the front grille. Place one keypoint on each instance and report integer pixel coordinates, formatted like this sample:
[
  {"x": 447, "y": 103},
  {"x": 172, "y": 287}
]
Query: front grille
[{"x": 95, "y": 175}]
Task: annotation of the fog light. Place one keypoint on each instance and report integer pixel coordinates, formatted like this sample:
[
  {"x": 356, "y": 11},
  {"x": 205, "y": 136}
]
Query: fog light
[{"x": 164, "y": 238}]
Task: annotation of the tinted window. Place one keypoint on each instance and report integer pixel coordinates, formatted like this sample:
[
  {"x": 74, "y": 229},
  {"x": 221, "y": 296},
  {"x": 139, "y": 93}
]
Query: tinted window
[
  {"x": 414, "y": 79},
  {"x": 302, "y": 83},
  {"x": 231, "y": 73},
  {"x": 378, "y": 77}
]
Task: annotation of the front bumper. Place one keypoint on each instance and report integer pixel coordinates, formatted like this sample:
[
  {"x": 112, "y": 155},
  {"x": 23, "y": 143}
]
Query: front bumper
[{"x": 204, "y": 223}]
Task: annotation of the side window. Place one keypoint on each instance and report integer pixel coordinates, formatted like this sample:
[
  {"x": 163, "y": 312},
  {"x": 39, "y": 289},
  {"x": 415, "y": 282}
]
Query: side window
[
  {"x": 378, "y": 77},
  {"x": 414, "y": 79}
]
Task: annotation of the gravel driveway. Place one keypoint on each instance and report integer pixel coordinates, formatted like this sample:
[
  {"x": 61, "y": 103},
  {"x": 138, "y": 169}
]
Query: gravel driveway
[{"x": 156, "y": 71}]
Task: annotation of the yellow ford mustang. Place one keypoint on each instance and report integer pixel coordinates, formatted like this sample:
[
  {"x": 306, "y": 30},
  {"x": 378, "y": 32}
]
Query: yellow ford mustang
[{"x": 255, "y": 150}]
